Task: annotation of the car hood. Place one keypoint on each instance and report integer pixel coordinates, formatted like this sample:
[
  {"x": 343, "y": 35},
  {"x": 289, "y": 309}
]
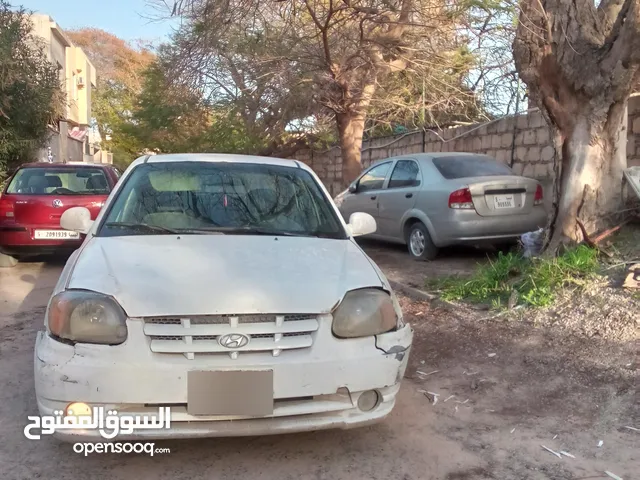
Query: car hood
[{"x": 158, "y": 275}]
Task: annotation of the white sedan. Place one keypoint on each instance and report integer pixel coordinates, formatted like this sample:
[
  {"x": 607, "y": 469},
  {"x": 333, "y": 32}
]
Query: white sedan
[{"x": 229, "y": 289}]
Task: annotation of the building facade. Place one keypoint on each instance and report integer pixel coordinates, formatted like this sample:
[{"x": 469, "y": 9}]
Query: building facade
[{"x": 73, "y": 139}]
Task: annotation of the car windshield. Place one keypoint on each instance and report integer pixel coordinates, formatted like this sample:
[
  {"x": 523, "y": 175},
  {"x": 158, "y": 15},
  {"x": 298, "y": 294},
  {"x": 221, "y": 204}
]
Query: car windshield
[
  {"x": 220, "y": 198},
  {"x": 464, "y": 166},
  {"x": 59, "y": 181}
]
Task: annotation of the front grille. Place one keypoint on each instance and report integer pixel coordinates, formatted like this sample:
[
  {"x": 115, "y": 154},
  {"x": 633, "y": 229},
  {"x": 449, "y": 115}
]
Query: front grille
[{"x": 205, "y": 334}]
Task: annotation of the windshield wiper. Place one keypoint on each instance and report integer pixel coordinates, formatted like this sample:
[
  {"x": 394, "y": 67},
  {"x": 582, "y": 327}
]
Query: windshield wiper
[
  {"x": 140, "y": 226},
  {"x": 248, "y": 230}
]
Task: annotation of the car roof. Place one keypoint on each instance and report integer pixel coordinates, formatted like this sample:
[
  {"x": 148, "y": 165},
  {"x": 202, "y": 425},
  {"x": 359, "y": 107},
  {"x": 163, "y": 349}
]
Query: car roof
[
  {"x": 451, "y": 154},
  {"x": 448, "y": 154},
  {"x": 430, "y": 155},
  {"x": 219, "y": 157},
  {"x": 63, "y": 165}
]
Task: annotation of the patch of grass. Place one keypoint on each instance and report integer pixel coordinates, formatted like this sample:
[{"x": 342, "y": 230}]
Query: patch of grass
[{"x": 535, "y": 281}]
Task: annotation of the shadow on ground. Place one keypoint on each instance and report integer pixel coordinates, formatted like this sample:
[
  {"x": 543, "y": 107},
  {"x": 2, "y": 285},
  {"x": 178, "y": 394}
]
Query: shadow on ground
[{"x": 396, "y": 263}]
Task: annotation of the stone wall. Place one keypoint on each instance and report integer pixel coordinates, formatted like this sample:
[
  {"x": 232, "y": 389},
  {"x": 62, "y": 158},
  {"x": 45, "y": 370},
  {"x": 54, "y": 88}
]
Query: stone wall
[
  {"x": 633, "y": 133},
  {"x": 327, "y": 165},
  {"x": 522, "y": 141}
]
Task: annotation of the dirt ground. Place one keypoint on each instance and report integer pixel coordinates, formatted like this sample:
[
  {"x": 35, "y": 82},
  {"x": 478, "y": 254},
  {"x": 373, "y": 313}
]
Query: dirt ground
[
  {"x": 398, "y": 266},
  {"x": 504, "y": 388}
]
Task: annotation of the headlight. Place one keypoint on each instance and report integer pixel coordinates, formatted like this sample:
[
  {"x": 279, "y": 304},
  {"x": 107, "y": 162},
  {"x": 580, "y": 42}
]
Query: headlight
[
  {"x": 87, "y": 317},
  {"x": 363, "y": 313}
]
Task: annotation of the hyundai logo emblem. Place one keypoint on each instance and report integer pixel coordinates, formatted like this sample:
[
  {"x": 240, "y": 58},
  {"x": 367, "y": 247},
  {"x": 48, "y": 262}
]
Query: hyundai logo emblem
[
  {"x": 233, "y": 340},
  {"x": 57, "y": 203}
]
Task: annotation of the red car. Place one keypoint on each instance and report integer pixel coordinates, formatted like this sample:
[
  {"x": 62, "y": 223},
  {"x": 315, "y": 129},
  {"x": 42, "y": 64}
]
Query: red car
[{"x": 34, "y": 199}]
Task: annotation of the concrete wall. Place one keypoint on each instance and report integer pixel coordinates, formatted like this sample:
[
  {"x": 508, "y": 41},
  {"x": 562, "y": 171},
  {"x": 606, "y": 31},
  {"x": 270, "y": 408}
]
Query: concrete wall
[
  {"x": 522, "y": 141},
  {"x": 75, "y": 150},
  {"x": 81, "y": 79},
  {"x": 54, "y": 43},
  {"x": 99, "y": 156},
  {"x": 63, "y": 147},
  {"x": 633, "y": 133},
  {"x": 78, "y": 75},
  {"x": 73, "y": 64}
]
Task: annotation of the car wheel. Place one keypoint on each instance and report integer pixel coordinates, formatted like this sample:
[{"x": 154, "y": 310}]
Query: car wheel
[
  {"x": 419, "y": 243},
  {"x": 7, "y": 261}
]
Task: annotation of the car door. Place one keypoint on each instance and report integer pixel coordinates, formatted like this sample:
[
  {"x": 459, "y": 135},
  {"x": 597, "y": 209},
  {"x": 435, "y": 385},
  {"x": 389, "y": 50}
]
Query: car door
[
  {"x": 367, "y": 187},
  {"x": 398, "y": 197}
]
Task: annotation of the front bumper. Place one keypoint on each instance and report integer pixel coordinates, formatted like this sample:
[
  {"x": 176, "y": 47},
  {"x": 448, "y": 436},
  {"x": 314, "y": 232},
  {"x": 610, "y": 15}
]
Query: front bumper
[{"x": 314, "y": 388}]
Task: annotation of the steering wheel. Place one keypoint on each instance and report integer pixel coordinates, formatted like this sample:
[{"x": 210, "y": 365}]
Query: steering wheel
[{"x": 62, "y": 191}]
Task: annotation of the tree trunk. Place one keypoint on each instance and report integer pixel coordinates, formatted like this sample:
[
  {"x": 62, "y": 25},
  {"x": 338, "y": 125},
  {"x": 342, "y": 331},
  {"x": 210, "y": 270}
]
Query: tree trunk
[
  {"x": 580, "y": 60},
  {"x": 350, "y": 131},
  {"x": 593, "y": 157}
]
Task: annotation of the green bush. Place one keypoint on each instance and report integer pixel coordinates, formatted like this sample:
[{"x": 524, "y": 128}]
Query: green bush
[
  {"x": 31, "y": 97},
  {"x": 535, "y": 280}
]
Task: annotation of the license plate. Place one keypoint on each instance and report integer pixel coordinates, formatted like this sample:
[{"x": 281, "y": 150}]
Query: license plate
[
  {"x": 504, "y": 201},
  {"x": 56, "y": 235},
  {"x": 244, "y": 392}
]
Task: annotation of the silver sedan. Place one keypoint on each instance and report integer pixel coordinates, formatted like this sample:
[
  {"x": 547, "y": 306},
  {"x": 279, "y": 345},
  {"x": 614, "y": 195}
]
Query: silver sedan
[{"x": 433, "y": 200}]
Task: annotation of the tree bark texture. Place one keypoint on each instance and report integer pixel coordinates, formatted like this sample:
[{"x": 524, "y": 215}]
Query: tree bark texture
[
  {"x": 350, "y": 130},
  {"x": 580, "y": 63}
]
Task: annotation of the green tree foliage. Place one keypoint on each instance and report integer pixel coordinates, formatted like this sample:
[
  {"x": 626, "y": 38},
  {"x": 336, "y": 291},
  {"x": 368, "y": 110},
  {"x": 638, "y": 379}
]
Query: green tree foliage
[
  {"x": 31, "y": 97},
  {"x": 121, "y": 68},
  {"x": 354, "y": 62},
  {"x": 166, "y": 118},
  {"x": 246, "y": 74},
  {"x": 170, "y": 117},
  {"x": 138, "y": 108}
]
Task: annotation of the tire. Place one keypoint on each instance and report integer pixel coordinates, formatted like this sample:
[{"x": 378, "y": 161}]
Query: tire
[
  {"x": 419, "y": 243},
  {"x": 7, "y": 261}
]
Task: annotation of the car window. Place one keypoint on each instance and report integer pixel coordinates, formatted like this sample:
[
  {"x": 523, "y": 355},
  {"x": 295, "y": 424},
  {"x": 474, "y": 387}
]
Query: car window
[
  {"x": 117, "y": 172},
  {"x": 374, "y": 178},
  {"x": 219, "y": 197},
  {"x": 464, "y": 166},
  {"x": 405, "y": 174},
  {"x": 59, "y": 181}
]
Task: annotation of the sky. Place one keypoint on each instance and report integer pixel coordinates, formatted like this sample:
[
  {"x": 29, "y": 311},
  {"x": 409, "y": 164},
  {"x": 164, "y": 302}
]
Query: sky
[{"x": 123, "y": 18}]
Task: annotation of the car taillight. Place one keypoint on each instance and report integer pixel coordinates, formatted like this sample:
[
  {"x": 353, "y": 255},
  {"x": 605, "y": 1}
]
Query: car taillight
[
  {"x": 6, "y": 208},
  {"x": 461, "y": 199},
  {"x": 539, "y": 197}
]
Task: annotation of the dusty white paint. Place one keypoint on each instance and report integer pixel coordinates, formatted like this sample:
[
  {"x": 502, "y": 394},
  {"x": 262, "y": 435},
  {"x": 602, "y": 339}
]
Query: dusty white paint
[
  {"x": 222, "y": 274},
  {"x": 361, "y": 223},
  {"x": 190, "y": 275},
  {"x": 76, "y": 219}
]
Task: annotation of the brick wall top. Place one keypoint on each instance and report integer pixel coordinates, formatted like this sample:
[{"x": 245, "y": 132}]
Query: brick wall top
[{"x": 522, "y": 141}]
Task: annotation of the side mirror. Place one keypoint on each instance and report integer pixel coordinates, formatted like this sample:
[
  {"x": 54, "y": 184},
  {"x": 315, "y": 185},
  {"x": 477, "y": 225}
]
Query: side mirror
[
  {"x": 361, "y": 223},
  {"x": 353, "y": 188},
  {"x": 76, "y": 219}
]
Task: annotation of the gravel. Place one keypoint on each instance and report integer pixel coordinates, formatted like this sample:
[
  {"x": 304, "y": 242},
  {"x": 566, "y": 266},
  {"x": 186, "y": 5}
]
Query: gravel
[{"x": 596, "y": 310}]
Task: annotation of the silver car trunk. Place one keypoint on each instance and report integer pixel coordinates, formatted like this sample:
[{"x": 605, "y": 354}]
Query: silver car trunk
[{"x": 502, "y": 195}]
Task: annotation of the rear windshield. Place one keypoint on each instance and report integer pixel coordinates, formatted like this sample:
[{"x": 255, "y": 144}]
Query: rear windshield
[
  {"x": 470, "y": 166},
  {"x": 59, "y": 181}
]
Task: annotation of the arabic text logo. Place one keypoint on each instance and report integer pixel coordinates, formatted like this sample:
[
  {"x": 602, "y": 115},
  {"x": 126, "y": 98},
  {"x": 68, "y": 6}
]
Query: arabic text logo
[{"x": 108, "y": 423}]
